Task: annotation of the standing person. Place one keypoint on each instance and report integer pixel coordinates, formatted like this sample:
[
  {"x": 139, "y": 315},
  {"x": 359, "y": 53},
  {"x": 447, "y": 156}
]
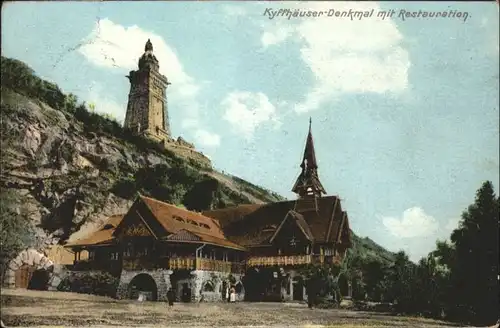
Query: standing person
[
  {"x": 170, "y": 297},
  {"x": 232, "y": 295},
  {"x": 227, "y": 293},
  {"x": 311, "y": 293}
]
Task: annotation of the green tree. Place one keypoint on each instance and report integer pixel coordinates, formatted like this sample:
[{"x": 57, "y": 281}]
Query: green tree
[
  {"x": 322, "y": 280},
  {"x": 70, "y": 103},
  {"x": 352, "y": 269},
  {"x": 16, "y": 229},
  {"x": 475, "y": 267},
  {"x": 374, "y": 274},
  {"x": 430, "y": 286},
  {"x": 401, "y": 280}
]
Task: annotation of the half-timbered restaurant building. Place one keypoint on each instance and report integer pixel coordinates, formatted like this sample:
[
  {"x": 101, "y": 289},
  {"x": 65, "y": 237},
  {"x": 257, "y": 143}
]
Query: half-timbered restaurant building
[{"x": 258, "y": 249}]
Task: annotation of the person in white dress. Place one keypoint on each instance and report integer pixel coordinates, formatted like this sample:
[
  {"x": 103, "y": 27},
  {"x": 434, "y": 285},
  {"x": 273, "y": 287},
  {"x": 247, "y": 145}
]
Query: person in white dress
[{"x": 232, "y": 296}]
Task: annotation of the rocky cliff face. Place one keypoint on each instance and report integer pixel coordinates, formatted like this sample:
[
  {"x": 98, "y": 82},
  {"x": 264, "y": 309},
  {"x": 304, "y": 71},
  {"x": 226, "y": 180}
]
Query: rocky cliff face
[
  {"x": 66, "y": 175},
  {"x": 69, "y": 169}
]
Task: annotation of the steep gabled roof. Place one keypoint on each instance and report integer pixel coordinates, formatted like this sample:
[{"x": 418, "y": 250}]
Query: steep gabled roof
[
  {"x": 103, "y": 236},
  {"x": 226, "y": 216},
  {"x": 188, "y": 236},
  {"x": 301, "y": 223},
  {"x": 344, "y": 235},
  {"x": 245, "y": 225},
  {"x": 209, "y": 239},
  {"x": 180, "y": 223},
  {"x": 174, "y": 219}
]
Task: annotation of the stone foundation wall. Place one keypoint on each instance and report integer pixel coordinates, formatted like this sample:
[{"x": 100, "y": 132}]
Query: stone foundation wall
[
  {"x": 59, "y": 273},
  {"x": 197, "y": 282},
  {"x": 184, "y": 143},
  {"x": 161, "y": 278},
  {"x": 290, "y": 296},
  {"x": 178, "y": 288},
  {"x": 187, "y": 152},
  {"x": 216, "y": 279}
]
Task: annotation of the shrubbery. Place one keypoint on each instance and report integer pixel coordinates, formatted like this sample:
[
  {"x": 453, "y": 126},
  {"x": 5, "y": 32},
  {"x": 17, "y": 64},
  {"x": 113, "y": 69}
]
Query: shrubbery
[{"x": 97, "y": 283}]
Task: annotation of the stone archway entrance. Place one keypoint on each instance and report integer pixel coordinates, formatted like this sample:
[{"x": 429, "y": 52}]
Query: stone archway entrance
[
  {"x": 186, "y": 293},
  {"x": 39, "y": 280},
  {"x": 143, "y": 284},
  {"x": 30, "y": 269},
  {"x": 255, "y": 283},
  {"x": 23, "y": 276}
]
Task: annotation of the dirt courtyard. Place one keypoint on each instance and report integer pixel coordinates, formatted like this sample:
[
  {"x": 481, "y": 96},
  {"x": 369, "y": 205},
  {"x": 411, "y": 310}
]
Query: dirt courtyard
[{"x": 25, "y": 308}]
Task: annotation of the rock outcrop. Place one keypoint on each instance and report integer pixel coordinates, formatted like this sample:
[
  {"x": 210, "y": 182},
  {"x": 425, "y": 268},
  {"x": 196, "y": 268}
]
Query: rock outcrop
[{"x": 64, "y": 172}]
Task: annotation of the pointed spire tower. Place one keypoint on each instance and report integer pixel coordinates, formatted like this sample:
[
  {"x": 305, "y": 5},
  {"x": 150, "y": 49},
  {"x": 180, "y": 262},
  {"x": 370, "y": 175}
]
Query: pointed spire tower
[{"x": 308, "y": 187}]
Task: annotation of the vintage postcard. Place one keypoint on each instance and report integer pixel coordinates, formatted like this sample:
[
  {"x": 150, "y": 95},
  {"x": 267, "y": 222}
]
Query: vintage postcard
[{"x": 249, "y": 164}]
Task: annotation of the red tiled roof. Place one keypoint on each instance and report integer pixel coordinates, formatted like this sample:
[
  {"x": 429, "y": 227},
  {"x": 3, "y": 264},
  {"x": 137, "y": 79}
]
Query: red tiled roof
[
  {"x": 103, "y": 236},
  {"x": 185, "y": 236},
  {"x": 174, "y": 219},
  {"x": 217, "y": 241}
]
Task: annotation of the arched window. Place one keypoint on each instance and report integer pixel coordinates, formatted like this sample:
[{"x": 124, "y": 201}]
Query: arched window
[{"x": 209, "y": 287}]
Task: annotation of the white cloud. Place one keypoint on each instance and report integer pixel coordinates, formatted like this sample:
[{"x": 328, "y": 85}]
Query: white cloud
[
  {"x": 111, "y": 45},
  {"x": 207, "y": 138},
  {"x": 275, "y": 35},
  {"x": 103, "y": 104},
  {"x": 414, "y": 223},
  {"x": 345, "y": 56},
  {"x": 247, "y": 110}
]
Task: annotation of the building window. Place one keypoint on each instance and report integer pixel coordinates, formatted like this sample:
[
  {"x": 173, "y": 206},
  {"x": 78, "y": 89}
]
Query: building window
[
  {"x": 208, "y": 287},
  {"x": 114, "y": 256}
]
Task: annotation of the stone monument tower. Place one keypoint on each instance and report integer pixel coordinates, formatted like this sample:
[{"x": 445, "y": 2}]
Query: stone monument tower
[{"x": 147, "y": 112}]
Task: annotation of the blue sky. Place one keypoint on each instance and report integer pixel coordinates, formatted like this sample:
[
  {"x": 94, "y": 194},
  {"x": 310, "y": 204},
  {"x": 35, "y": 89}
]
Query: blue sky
[{"x": 405, "y": 112}]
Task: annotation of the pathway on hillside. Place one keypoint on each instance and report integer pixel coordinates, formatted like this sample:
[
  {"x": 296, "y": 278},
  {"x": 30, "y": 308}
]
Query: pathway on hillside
[{"x": 234, "y": 186}]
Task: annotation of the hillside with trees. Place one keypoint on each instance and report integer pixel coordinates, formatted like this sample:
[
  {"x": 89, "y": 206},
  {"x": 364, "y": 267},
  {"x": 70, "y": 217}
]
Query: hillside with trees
[{"x": 66, "y": 168}]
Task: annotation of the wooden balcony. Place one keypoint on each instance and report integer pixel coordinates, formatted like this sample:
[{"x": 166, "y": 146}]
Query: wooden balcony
[
  {"x": 220, "y": 266},
  {"x": 279, "y": 260},
  {"x": 292, "y": 260},
  {"x": 182, "y": 263},
  {"x": 191, "y": 263},
  {"x": 143, "y": 264}
]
